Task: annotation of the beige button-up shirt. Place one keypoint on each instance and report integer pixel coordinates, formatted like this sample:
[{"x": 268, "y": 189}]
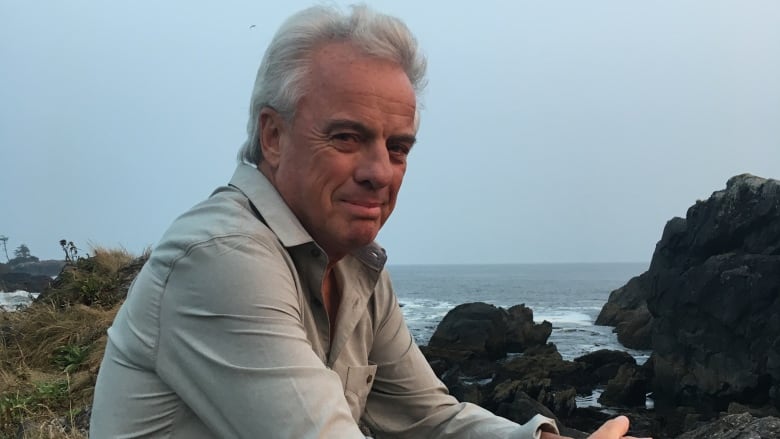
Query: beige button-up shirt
[{"x": 224, "y": 335}]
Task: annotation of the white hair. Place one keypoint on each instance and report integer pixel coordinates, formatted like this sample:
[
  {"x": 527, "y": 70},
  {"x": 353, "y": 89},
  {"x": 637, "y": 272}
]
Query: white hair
[{"x": 282, "y": 76}]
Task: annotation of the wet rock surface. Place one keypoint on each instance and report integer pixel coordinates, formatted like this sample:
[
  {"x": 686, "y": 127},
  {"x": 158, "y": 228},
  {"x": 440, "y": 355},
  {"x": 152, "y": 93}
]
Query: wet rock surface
[
  {"x": 737, "y": 426},
  {"x": 538, "y": 380},
  {"x": 709, "y": 305}
]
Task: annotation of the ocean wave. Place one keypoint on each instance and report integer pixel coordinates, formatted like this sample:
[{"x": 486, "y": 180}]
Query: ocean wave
[{"x": 14, "y": 300}]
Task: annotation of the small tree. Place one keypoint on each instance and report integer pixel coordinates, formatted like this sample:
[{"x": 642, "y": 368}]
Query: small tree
[
  {"x": 22, "y": 255},
  {"x": 22, "y": 252}
]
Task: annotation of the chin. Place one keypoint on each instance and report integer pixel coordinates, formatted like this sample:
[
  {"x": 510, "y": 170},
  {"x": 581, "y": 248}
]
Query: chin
[{"x": 361, "y": 239}]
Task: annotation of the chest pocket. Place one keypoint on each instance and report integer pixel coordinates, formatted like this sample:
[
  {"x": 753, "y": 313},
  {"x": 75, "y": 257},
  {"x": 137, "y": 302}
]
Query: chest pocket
[{"x": 358, "y": 385}]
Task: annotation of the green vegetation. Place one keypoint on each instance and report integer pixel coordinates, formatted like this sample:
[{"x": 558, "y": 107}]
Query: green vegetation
[
  {"x": 22, "y": 255},
  {"x": 92, "y": 280},
  {"x": 50, "y": 352}
]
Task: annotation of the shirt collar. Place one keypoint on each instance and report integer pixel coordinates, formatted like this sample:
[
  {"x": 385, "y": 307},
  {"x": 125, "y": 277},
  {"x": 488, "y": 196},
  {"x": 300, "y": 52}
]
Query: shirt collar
[{"x": 280, "y": 219}]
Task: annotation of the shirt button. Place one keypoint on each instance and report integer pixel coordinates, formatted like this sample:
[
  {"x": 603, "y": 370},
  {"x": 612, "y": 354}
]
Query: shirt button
[
  {"x": 369, "y": 378},
  {"x": 315, "y": 253}
]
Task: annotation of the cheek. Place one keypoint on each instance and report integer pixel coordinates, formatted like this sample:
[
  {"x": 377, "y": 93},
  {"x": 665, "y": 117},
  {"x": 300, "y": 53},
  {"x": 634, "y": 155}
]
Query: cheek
[{"x": 398, "y": 179}]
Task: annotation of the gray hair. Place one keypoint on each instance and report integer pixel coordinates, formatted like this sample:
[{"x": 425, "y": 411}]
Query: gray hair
[{"x": 282, "y": 76}]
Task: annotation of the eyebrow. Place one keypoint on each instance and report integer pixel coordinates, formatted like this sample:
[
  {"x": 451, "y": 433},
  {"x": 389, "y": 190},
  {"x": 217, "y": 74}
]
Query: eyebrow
[{"x": 337, "y": 124}]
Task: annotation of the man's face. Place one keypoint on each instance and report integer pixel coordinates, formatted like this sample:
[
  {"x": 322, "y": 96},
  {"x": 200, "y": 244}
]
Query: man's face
[{"x": 340, "y": 163}]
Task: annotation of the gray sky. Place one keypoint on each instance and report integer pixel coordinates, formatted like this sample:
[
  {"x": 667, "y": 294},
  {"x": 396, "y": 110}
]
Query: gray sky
[{"x": 552, "y": 131}]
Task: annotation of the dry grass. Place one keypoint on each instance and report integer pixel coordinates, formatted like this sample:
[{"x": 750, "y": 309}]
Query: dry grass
[
  {"x": 98, "y": 281},
  {"x": 111, "y": 261},
  {"x": 38, "y": 331},
  {"x": 50, "y": 358},
  {"x": 52, "y": 431},
  {"x": 50, "y": 352}
]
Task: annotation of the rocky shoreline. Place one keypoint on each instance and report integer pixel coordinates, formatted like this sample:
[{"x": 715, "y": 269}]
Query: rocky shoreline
[
  {"x": 29, "y": 276},
  {"x": 708, "y": 307}
]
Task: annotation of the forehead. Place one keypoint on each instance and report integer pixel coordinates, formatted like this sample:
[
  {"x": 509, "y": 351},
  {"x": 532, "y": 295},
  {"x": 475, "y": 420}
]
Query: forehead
[{"x": 339, "y": 69}]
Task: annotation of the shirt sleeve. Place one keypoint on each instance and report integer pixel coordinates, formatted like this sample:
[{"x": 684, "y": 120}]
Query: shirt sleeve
[
  {"x": 408, "y": 400},
  {"x": 232, "y": 345}
]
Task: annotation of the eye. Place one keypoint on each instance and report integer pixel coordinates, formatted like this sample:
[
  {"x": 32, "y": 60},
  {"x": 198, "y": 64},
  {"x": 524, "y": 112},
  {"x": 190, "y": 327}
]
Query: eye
[
  {"x": 346, "y": 137},
  {"x": 346, "y": 140},
  {"x": 399, "y": 151}
]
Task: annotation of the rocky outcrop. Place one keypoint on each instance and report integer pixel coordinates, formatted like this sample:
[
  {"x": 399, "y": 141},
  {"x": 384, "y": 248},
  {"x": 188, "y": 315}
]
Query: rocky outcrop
[
  {"x": 602, "y": 365},
  {"x": 468, "y": 352},
  {"x": 716, "y": 300},
  {"x": 34, "y": 276},
  {"x": 711, "y": 302},
  {"x": 13, "y": 281},
  {"x": 629, "y": 388},
  {"x": 737, "y": 426},
  {"x": 489, "y": 331},
  {"x": 49, "y": 267},
  {"x": 627, "y": 311}
]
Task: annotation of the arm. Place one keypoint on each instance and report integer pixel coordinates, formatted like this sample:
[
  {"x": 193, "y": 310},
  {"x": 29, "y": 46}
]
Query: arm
[
  {"x": 408, "y": 400},
  {"x": 232, "y": 345}
]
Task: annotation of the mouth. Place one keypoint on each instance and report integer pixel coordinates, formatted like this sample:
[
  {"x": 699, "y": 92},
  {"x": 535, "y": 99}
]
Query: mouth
[{"x": 364, "y": 208}]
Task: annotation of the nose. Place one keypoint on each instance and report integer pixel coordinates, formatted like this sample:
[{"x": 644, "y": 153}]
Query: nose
[{"x": 374, "y": 169}]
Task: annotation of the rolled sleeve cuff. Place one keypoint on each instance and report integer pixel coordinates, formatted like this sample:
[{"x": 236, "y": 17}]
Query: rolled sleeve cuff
[{"x": 537, "y": 425}]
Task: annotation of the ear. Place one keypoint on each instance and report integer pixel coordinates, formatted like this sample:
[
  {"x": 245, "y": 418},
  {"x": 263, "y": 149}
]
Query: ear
[{"x": 271, "y": 128}]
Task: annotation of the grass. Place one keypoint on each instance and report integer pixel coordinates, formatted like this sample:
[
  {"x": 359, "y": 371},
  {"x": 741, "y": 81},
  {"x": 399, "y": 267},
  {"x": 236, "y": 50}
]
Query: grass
[
  {"x": 93, "y": 281},
  {"x": 50, "y": 352}
]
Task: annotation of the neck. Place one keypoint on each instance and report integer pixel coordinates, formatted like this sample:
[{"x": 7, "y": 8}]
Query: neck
[{"x": 333, "y": 255}]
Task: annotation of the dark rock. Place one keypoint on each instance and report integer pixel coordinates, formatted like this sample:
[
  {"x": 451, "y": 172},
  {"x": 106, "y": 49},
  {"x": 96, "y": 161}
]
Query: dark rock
[
  {"x": 466, "y": 357},
  {"x": 489, "y": 331},
  {"x": 713, "y": 292},
  {"x": 717, "y": 337},
  {"x": 451, "y": 365},
  {"x": 627, "y": 389},
  {"x": 543, "y": 362},
  {"x": 522, "y": 333},
  {"x": 759, "y": 412},
  {"x": 602, "y": 365},
  {"x": 49, "y": 267},
  {"x": 561, "y": 401},
  {"x": 627, "y": 310},
  {"x": 739, "y": 426},
  {"x": 467, "y": 391},
  {"x": 541, "y": 374},
  {"x": 522, "y": 408},
  {"x": 33, "y": 283},
  {"x": 635, "y": 330},
  {"x": 475, "y": 327}
]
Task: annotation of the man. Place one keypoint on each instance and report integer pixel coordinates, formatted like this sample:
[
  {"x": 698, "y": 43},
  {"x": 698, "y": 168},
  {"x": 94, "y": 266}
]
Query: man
[{"x": 265, "y": 312}]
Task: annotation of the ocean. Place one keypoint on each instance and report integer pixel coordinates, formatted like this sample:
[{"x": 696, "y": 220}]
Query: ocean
[
  {"x": 570, "y": 296},
  {"x": 11, "y": 301}
]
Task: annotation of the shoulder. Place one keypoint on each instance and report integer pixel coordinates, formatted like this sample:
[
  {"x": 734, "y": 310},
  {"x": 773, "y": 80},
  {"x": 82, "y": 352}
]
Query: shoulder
[
  {"x": 219, "y": 244},
  {"x": 220, "y": 256},
  {"x": 224, "y": 219}
]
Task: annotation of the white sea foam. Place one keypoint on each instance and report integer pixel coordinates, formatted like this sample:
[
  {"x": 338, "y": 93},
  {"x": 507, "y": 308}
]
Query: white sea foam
[
  {"x": 562, "y": 316},
  {"x": 14, "y": 300}
]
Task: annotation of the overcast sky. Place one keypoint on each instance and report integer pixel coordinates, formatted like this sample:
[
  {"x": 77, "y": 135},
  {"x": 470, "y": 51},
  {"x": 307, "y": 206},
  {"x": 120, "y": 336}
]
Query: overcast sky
[{"x": 552, "y": 131}]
